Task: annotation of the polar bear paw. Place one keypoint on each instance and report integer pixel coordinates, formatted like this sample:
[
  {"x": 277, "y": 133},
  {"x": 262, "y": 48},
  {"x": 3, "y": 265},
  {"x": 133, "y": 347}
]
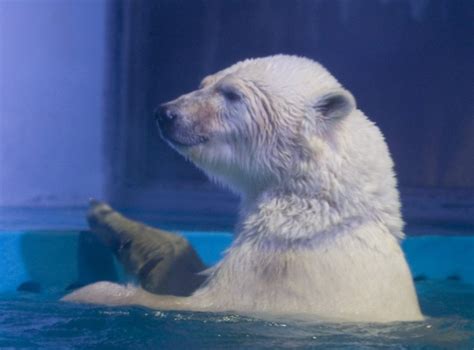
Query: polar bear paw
[{"x": 104, "y": 293}]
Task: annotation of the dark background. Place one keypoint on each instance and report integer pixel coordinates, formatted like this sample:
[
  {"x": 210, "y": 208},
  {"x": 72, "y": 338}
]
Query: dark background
[
  {"x": 79, "y": 81},
  {"x": 408, "y": 63}
]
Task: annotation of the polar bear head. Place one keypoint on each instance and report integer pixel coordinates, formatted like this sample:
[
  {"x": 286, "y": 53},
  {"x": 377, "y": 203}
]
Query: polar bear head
[
  {"x": 249, "y": 125},
  {"x": 281, "y": 122}
]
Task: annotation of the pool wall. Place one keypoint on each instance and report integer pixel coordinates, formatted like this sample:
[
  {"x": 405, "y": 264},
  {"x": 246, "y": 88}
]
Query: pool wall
[{"x": 59, "y": 260}]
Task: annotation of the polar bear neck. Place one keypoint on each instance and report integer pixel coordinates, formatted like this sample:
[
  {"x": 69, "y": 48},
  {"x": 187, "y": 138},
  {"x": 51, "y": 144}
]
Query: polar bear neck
[
  {"x": 351, "y": 184},
  {"x": 288, "y": 219},
  {"x": 283, "y": 215}
]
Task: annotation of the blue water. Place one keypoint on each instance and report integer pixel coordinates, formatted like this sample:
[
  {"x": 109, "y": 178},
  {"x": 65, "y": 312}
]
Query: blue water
[
  {"x": 40, "y": 321},
  {"x": 440, "y": 264}
]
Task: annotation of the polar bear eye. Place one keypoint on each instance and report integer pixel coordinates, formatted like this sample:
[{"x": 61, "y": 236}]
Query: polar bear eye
[{"x": 230, "y": 94}]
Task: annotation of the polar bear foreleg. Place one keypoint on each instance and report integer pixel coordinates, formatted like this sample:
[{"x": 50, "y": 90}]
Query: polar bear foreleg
[
  {"x": 113, "y": 294},
  {"x": 163, "y": 262}
]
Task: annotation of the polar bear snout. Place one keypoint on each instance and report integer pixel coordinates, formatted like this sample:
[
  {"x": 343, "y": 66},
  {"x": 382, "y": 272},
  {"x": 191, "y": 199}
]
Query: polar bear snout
[
  {"x": 164, "y": 115},
  {"x": 167, "y": 118},
  {"x": 176, "y": 125}
]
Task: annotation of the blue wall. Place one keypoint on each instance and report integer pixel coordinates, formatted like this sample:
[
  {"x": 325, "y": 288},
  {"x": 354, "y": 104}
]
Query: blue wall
[
  {"x": 32, "y": 256},
  {"x": 51, "y": 101}
]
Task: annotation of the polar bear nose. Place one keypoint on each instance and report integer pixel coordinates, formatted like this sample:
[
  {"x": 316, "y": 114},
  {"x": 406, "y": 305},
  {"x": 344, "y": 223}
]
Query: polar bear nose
[{"x": 164, "y": 115}]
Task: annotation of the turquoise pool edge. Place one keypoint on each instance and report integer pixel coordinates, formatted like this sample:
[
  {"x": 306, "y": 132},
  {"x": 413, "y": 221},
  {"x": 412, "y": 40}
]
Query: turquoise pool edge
[{"x": 61, "y": 260}]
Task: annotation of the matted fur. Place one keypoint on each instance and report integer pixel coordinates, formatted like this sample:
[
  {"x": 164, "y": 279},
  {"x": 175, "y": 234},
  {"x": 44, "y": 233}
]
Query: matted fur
[{"x": 320, "y": 221}]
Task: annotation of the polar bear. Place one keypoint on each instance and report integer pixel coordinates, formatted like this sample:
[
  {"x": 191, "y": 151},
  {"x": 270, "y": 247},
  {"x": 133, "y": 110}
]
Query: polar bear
[{"x": 319, "y": 225}]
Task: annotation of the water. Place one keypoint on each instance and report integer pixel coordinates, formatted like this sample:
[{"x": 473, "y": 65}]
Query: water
[
  {"x": 40, "y": 321},
  {"x": 32, "y": 321}
]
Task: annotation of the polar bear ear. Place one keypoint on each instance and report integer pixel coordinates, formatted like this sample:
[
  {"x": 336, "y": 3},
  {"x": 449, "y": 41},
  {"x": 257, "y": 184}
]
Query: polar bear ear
[{"x": 334, "y": 104}]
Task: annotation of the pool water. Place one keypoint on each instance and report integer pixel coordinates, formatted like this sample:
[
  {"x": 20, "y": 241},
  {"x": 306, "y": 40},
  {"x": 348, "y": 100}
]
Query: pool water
[
  {"x": 48, "y": 262},
  {"x": 40, "y": 321}
]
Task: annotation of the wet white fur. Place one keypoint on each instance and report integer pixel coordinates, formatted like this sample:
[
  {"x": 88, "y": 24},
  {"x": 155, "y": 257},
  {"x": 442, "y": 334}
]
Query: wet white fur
[{"x": 320, "y": 220}]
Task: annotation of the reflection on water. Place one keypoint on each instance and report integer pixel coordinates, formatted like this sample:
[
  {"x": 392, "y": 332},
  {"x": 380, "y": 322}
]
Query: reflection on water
[{"x": 40, "y": 321}]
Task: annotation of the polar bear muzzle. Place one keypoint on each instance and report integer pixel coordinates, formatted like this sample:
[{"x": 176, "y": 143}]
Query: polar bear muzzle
[{"x": 177, "y": 127}]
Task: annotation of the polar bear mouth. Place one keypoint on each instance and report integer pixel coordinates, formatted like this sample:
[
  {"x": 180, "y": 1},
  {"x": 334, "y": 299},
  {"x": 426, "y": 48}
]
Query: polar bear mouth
[
  {"x": 198, "y": 141},
  {"x": 184, "y": 141},
  {"x": 180, "y": 138}
]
